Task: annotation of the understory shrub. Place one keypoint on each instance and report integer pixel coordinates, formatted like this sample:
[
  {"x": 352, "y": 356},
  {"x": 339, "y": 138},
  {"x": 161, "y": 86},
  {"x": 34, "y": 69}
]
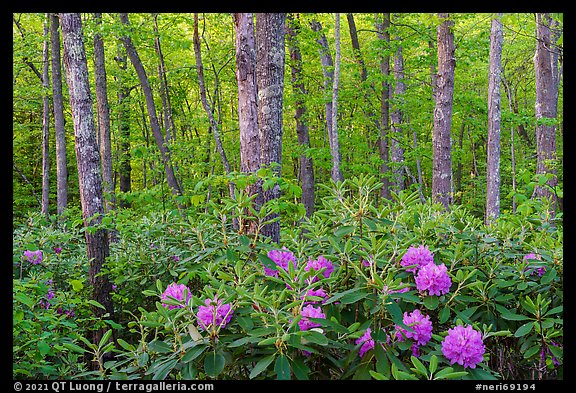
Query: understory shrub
[{"x": 403, "y": 290}]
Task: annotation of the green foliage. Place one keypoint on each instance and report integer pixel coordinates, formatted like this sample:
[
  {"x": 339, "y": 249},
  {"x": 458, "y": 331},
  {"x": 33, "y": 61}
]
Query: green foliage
[{"x": 518, "y": 312}]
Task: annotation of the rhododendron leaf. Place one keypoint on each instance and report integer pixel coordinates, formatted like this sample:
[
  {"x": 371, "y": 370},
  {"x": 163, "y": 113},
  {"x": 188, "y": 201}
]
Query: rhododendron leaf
[
  {"x": 524, "y": 329},
  {"x": 282, "y": 368},
  {"x": 194, "y": 333},
  {"x": 261, "y": 365},
  {"x": 214, "y": 364}
]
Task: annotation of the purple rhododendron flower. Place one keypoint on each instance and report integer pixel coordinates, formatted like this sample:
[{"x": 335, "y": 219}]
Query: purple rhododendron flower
[
  {"x": 315, "y": 292},
  {"x": 310, "y": 311},
  {"x": 419, "y": 256},
  {"x": 214, "y": 314},
  {"x": 463, "y": 345},
  {"x": 319, "y": 264},
  {"x": 434, "y": 279},
  {"x": 281, "y": 258},
  {"x": 541, "y": 270},
  {"x": 34, "y": 257},
  {"x": 57, "y": 250},
  {"x": 421, "y": 325},
  {"x": 367, "y": 342},
  {"x": 177, "y": 292}
]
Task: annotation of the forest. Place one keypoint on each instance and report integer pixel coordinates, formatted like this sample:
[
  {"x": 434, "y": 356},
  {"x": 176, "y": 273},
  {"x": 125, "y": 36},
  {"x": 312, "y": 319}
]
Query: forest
[{"x": 287, "y": 196}]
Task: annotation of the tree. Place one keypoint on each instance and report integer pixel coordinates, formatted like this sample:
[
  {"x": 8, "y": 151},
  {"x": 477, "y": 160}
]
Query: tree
[
  {"x": 46, "y": 120},
  {"x": 270, "y": 54},
  {"x": 248, "y": 103},
  {"x": 306, "y": 163},
  {"x": 206, "y": 104},
  {"x": 104, "y": 140},
  {"x": 397, "y": 120},
  {"x": 384, "y": 35},
  {"x": 545, "y": 110},
  {"x": 441, "y": 144},
  {"x": 151, "y": 109},
  {"x": 88, "y": 163},
  {"x": 334, "y": 140},
  {"x": 124, "y": 160},
  {"x": 494, "y": 114},
  {"x": 59, "y": 122}
]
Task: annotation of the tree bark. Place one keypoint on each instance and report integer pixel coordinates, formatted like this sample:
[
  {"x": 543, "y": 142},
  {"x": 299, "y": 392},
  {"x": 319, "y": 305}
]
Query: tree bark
[
  {"x": 441, "y": 143},
  {"x": 103, "y": 117},
  {"x": 88, "y": 162},
  {"x": 397, "y": 119},
  {"x": 248, "y": 104},
  {"x": 545, "y": 110},
  {"x": 494, "y": 115},
  {"x": 270, "y": 54},
  {"x": 306, "y": 172},
  {"x": 151, "y": 109},
  {"x": 124, "y": 160},
  {"x": 384, "y": 35},
  {"x": 46, "y": 121},
  {"x": 206, "y": 104},
  {"x": 164, "y": 93},
  {"x": 59, "y": 122},
  {"x": 334, "y": 140}
]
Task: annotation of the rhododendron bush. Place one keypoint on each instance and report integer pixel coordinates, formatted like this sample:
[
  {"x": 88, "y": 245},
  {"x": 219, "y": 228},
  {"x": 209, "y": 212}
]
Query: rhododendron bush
[{"x": 402, "y": 290}]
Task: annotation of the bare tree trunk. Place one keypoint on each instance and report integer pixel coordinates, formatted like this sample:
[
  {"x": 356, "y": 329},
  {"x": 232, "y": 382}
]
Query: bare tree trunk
[
  {"x": 46, "y": 120},
  {"x": 88, "y": 162},
  {"x": 164, "y": 93},
  {"x": 328, "y": 71},
  {"x": 441, "y": 143},
  {"x": 103, "y": 117},
  {"x": 494, "y": 114},
  {"x": 59, "y": 122},
  {"x": 545, "y": 110},
  {"x": 124, "y": 164},
  {"x": 306, "y": 165},
  {"x": 151, "y": 108},
  {"x": 270, "y": 54},
  {"x": 397, "y": 119},
  {"x": 384, "y": 35},
  {"x": 206, "y": 104},
  {"x": 248, "y": 105},
  {"x": 334, "y": 140}
]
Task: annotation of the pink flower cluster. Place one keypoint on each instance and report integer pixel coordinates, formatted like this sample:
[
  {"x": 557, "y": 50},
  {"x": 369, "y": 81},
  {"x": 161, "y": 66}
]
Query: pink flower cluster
[
  {"x": 34, "y": 257},
  {"x": 429, "y": 276},
  {"x": 214, "y": 313},
  {"x": 529, "y": 257},
  {"x": 282, "y": 258},
  {"x": 463, "y": 345},
  {"x": 421, "y": 326},
  {"x": 434, "y": 279},
  {"x": 176, "y": 291},
  {"x": 319, "y": 264},
  {"x": 418, "y": 257},
  {"x": 367, "y": 342},
  {"x": 310, "y": 311}
]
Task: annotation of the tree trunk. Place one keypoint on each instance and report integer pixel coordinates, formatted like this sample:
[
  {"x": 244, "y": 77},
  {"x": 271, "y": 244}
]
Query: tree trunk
[
  {"x": 151, "y": 109},
  {"x": 494, "y": 114},
  {"x": 397, "y": 119},
  {"x": 328, "y": 72},
  {"x": 59, "y": 122},
  {"x": 441, "y": 144},
  {"x": 103, "y": 117},
  {"x": 124, "y": 164},
  {"x": 164, "y": 93},
  {"x": 384, "y": 35},
  {"x": 45, "y": 121},
  {"x": 88, "y": 162},
  {"x": 270, "y": 54},
  {"x": 306, "y": 172},
  {"x": 545, "y": 110},
  {"x": 206, "y": 104},
  {"x": 248, "y": 105},
  {"x": 334, "y": 140}
]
